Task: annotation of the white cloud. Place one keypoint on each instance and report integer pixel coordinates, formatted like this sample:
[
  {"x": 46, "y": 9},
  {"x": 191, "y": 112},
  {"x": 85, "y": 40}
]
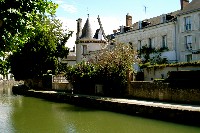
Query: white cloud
[{"x": 69, "y": 8}]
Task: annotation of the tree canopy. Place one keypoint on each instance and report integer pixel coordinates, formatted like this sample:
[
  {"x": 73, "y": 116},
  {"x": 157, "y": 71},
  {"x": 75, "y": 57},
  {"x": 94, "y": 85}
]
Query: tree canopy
[
  {"x": 18, "y": 20},
  {"x": 32, "y": 36}
]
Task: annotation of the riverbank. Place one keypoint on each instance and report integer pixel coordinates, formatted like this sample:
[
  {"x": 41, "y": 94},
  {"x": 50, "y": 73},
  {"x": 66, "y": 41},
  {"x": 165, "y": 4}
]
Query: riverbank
[{"x": 180, "y": 113}]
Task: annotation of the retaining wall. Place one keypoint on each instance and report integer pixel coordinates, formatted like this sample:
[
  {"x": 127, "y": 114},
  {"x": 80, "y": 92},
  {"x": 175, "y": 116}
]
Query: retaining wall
[
  {"x": 163, "y": 92},
  {"x": 148, "y": 109}
]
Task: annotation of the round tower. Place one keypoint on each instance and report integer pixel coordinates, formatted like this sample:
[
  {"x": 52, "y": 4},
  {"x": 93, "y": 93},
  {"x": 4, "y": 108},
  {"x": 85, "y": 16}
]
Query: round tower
[{"x": 87, "y": 45}]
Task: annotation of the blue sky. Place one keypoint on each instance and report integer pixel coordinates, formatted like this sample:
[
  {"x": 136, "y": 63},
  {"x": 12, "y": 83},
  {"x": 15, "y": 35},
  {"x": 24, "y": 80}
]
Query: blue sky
[{"x": 112, "y": 12}]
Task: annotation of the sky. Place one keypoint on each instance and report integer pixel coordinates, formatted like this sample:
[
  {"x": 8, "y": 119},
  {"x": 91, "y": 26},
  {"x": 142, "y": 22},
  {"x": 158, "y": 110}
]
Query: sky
[{"x": 112, "y": 12}]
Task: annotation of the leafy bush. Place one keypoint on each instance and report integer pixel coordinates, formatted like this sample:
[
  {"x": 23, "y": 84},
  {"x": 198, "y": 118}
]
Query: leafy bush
[
  {"x": 108, "y": 67},
  {"x": 81, "y": 77}
]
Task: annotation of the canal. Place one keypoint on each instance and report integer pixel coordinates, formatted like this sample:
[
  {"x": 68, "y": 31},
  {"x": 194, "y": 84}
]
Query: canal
[{"x": 19, "y": 114}]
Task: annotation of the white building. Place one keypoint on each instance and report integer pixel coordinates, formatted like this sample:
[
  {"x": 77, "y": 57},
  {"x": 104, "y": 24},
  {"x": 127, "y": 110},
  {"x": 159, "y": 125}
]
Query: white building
[
  {"x": 87, "y": 44},
  {"x": 178, "y": 31},
  {"x": 188, "y": 32}
]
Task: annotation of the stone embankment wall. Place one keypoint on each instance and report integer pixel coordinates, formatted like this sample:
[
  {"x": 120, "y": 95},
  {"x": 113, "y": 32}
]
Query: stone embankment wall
[
  {"x": 174, "y": 113},
  {"x": 163, "y": 92}
]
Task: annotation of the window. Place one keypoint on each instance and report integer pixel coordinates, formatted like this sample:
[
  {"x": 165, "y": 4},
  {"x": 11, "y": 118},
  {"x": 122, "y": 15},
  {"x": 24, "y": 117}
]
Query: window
[
  {"x": 187, "y": 23},
  {"x": 84, "y": 49},
  {"x": 188, "y": 42},
  {"x": 139, "y": 45},
  {"x": 164, "y": 41},
  {"x": 151, "y": 42},
  {"x": 189, "y": 57}
]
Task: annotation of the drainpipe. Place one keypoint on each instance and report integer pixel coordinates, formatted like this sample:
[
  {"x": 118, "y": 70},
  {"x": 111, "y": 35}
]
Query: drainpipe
[{"x": 176, "y": 54}]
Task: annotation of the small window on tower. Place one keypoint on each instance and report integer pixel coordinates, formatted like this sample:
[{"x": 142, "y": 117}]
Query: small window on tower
[{"x": 84, "y": 49}]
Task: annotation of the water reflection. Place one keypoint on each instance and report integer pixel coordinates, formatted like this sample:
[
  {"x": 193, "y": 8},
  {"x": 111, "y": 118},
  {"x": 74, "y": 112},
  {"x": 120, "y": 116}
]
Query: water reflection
[
  {"x": 31, "y": 115},
  {"x": 5, "y": 108}
]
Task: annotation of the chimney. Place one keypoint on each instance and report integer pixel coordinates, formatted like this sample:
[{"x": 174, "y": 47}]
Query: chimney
[
  {"x": 114, "y": 31},
  {"x": 128, "y": 20},
  {"x": 79, "y": 28},
  {"x": 184, "y": 3}
]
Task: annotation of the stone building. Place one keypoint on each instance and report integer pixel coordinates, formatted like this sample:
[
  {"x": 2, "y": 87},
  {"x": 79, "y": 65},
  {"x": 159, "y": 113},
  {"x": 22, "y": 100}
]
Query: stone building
[
  {"x": 188, "y": 32},
  {"x": 87, "y": 44},
  {"x": 176, "y": 33}
]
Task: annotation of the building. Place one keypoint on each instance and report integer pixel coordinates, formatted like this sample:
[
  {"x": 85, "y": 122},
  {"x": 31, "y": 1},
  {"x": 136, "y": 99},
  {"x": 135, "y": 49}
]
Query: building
[
  {"x": 188, "y": 32},
  {"x": 87, "y": 44},
  {"x": 175, "y": 35}
]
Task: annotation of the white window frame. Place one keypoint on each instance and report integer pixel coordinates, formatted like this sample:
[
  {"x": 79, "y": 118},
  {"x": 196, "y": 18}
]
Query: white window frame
[
  {"x": 188, "y": 24},
  {"x": 188, "y": 42}
]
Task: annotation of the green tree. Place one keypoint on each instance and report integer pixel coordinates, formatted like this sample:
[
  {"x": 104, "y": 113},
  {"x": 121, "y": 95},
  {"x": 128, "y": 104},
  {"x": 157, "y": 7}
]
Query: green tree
[
  {"x": 18, "y": 20},
  {"x": 41, "y": 52},
  {"x": 108, "y": 67}
]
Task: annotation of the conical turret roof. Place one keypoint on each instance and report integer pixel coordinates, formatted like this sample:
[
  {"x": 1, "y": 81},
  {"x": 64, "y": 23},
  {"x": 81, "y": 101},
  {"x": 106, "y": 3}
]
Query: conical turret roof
[{"x": 87, "y": 31}]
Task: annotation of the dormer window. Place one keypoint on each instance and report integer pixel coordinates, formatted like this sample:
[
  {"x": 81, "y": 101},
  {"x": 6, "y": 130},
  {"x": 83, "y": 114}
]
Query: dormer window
[
  {"x": 169, "y": 17},
  {"x": 187, "y": 23},
  {"x": 142, "y": 24}
]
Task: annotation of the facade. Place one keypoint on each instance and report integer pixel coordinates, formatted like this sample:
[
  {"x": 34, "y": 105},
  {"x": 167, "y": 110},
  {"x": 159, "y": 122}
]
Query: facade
[
  {"x": 188, "y": 35},
  {"x": 178, "y": 32},
  {"x": 87, "y": 45}
]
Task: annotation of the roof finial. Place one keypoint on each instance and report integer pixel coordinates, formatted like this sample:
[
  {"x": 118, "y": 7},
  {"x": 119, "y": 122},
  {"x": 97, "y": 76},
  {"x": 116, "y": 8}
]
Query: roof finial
[{"x": 88, "y": 15}]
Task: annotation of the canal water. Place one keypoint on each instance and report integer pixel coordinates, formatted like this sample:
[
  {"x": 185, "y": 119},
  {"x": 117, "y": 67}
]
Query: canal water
[{"x": 19, "y": 114}]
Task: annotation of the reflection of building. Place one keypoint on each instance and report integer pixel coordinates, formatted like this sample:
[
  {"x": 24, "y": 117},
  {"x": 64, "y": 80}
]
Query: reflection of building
[
  {"x": 176, "y": 32},
  {"x": 87, "y": 44}
]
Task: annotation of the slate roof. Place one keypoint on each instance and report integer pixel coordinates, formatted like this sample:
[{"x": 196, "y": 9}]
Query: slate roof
[
  {"x": 87, "y": 31},
  {"x": 155, "y": 20},
  {"x": 192, "y": 6},
  {"x": 96, "y": 33}
]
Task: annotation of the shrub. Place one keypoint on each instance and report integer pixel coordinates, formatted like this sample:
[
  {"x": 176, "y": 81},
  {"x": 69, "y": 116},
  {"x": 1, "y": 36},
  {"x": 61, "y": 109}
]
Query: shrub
[{"x": 108, "y": 67}]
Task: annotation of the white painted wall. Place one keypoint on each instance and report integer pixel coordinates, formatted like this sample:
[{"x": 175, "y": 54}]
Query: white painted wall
[
  {"x": 195, "y": 32},
  {"x": 151, "y": 73},
  {"x": 155, "y": 32},
  {"x": 92, "y": 48}
]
